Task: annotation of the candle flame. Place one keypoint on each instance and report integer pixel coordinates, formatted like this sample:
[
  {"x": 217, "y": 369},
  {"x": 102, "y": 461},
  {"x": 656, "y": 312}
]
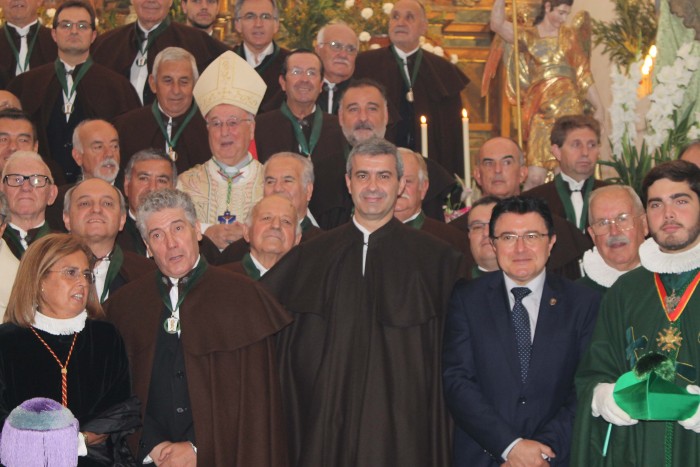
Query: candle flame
[
  {"x": 423, "y": 120},
  {"x": 464, "y": 113}
]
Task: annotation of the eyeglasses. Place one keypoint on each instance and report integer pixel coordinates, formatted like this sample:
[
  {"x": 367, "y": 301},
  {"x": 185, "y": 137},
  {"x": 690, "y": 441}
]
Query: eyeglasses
[
  {"x": 74, "y": 274},
  {"x": 529, "y": 238},
  {"x": 68, "y": 25},
  {"x": 339, "y": 46},
  {"x": 623, "y": 222},
  {"x": 311, "y": 72},
  {"x": 35, "y": 180},
  {"x": 478, "y": 227},
  {"x": 252, "y": 17},
  {"x": 232, "y": 123}
]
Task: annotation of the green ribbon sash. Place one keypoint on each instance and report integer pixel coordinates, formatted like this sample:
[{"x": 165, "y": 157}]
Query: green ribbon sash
[
  {"x": 60, "y": 69},
  {"x": 115, "y": 264},
  {"x": 192, "y": 279},
  {"x": 565, "y": 196},
  {"x": 15, "y": 52},
  {"x": 305, "y": 147},
  {"x": 409, "y": 82},
  {"x": 172, "y": 142}
]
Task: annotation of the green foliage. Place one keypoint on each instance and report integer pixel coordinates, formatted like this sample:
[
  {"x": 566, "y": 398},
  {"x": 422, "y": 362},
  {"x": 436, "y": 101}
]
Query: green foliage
[
  {"x": 301, "y": 20},
  {"x": 628, "y": 38}
]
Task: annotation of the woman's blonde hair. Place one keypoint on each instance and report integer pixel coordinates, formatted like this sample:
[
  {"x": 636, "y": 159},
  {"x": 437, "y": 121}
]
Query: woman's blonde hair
[{"x": 33, "y": 269}]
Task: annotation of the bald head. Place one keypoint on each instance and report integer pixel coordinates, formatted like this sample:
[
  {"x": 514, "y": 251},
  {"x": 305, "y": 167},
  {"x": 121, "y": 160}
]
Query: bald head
[
  {"x": 500, "y": 168},
  {"x": 9, "y": 101}
]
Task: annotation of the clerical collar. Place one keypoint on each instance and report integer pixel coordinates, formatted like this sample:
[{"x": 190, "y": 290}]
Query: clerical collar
[
  {"x": 412, "y": 217},
  {"x": 147, "y": 31},
  {"x": 59, "y": 327},
  {"x": 404, "y": 55},
  {"x": 362, "y": 229},
  {"x": 656, "y": 260},
  {"x": 598, "y": 270},
  {"x": 258, "y": 265},
  {"x": 132, "y": 215},
  {"x": 25, "y": 30},
  {"x": 22, "y": 232},
  {"x": 232, "y": 170},
  {"x": 254, "y": 59},
  {"x": 573, "y": 184},
  {"x": 176, "y": 280}
]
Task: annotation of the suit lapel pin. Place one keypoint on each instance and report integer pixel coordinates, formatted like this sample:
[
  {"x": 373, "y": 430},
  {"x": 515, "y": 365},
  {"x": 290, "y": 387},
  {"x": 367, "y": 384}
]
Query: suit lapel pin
[{"x": 552, "y": 301}]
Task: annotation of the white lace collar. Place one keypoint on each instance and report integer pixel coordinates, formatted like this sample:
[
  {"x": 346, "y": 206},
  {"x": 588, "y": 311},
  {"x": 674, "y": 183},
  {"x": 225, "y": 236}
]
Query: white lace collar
[
  {"x": 656, "y": 260},
  {"x": 598, "y": 270},
  {"x": 60, "y": 327}
]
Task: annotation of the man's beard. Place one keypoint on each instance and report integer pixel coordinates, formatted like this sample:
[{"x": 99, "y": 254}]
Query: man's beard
[{"x": 675, "y": 245}]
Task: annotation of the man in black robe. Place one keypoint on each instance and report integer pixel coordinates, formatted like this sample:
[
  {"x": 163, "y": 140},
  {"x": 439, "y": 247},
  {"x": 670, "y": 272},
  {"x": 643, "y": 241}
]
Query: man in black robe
[
  {"x": 60, "y": 95},
  {"x": 290, "y": 175},
  {"x": 300, "y": 126},
  {"x": 130, "y": 50},
  {"x": 257, "y": 22},
  {"x": 337, "y": 45},
  {"x": 364, "y": 113},
  {"x": 23, "y": 39},
  {"x": 360, "y": 364},
  {"x": 95, "y": 212},
  {"x": 150, "y": 170},
  {"x": 173, "y": 122},
  {"x": 418, "y": 83}
]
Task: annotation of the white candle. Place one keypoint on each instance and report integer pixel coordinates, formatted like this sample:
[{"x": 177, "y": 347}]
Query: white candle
[
  {"x": 424, "y": 136},
  {"x": 465, "y": 151}
]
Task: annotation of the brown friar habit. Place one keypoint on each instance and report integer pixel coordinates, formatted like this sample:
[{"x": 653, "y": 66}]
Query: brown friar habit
[
  {"x": 117, "y": 49},
  {"x": 269, "y": 71},
  {"x": 437, "y": 96},
  {"x": 360, "y": 364},
  {"x": 139, "y": 130},
  {"x": 45, "y": 50},
  {"x": 101, "y": 93},
  {"x": 330, "y": 202},
  {"x": 567, "y": 251},
  {"x": 447, "y": 233},
  {"x": 228, "y": 323},
  {"x": 133, "y": 267}
]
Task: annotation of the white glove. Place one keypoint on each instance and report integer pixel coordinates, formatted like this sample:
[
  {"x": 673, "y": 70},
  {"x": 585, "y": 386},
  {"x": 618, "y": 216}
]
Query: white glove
[
  {"x": 692, "y": 423},
  {"x": 604, "y": 405}
]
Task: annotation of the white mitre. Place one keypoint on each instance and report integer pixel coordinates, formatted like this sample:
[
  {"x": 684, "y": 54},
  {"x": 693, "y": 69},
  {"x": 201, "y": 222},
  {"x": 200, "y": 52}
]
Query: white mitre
[{"x": 229, "y": 80}]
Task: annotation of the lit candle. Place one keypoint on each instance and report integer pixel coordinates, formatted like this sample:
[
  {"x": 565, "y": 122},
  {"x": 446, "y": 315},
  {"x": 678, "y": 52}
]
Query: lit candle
[
  {"x": 465, "y": 151},
  {"x": 424, "y": 136}
]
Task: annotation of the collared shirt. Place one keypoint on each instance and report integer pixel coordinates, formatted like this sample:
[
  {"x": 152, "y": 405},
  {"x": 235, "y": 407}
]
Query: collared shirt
[
  {"x": 412, "y": 217},
  {"x": 139, "y": 74},
  {"x": 532, "y": 301},
  {"x": 100, "y": 272},
  {"x": 258, "y": 265},
  {"x": 366, "y": 233},
  {"x": 23, "y": 233},
  {"x": 254, "y": 59}
]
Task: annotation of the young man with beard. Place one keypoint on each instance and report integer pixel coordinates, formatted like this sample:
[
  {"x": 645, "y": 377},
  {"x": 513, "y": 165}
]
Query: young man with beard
[
  {"x": 201, "y": 14},
  {"x": 650, "y": 310}
]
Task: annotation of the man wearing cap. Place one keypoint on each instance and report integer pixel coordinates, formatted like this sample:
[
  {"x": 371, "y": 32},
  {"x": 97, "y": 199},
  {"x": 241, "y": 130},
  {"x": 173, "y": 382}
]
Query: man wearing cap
[
  {"x": 59, "y": 95},
  {"x": 650, "y": 313},
  {"x": 24, "y": 42},
  {"x": 225, "y": 188},
  {"x": 257, "y": 22},
  {"x": 130, "y": 50},
  {"x": 300, "y": 125},
  {"x": 172, "y": 123}
]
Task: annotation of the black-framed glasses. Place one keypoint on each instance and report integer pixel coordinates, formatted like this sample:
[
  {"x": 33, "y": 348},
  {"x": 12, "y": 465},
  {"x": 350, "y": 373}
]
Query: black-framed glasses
[
  {"x": 623, "y": 222},
  {"x": 68, "y": 25},
  {"x": 35, "y": 180},
  {"x": 75, "y": 274},
  {"x": 252, "y": 17},
  {"x": 339, "y": 46},
  {"x": 232, "y": 123},
  {"x": 529, "y": 238}
]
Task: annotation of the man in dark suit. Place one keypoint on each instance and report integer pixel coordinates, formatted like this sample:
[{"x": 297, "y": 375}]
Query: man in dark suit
[
  {"x": 576, "y": 145},
  {"x": 513, "y": 339}
]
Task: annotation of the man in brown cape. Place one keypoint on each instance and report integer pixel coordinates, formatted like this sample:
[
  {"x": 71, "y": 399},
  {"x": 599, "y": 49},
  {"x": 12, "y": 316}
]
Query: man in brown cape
[
  {"x": 200, "y": 343},
  {"x": 360, "y": 365}
]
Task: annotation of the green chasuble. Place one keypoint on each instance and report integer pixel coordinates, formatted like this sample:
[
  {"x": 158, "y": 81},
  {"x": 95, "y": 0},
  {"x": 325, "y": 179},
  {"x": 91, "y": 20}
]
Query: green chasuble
[
  {"x": 588, "y": 282},
  {"x": 631, "y": 323}
]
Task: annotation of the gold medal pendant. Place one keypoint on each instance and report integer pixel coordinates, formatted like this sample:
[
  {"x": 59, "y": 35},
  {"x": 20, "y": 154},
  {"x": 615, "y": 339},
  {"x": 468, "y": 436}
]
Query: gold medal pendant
[
  {"x": 141, "y": 61},
  {"x": 669, "y": 339},
  {"x": 409, "y": 95},
  {"x": 172, "y": 154},
  {"x": 171, "y": 325},
  {"x": 68, "y": 108}
]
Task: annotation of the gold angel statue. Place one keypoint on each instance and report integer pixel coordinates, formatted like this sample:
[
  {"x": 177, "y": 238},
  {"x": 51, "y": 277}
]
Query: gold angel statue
[{"x": 554, "y": 72}]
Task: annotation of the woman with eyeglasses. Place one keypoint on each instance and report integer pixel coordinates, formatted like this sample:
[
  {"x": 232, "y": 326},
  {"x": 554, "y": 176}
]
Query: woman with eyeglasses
[{"x": 54, "y": 344}]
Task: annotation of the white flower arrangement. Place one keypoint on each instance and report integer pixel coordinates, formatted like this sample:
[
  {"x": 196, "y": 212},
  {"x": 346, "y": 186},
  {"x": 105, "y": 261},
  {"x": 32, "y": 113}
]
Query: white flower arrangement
[
  {"x": 374, "y": 47},
  {"x": 454, "y": 59},
  {"x": 366, "y": 13},
  {"x": 668, "y": 95},
  {"x": 349, "y": 4},
  {"x": 623, "y": 115},
  {"x": 364, "y": 36},
  {"x": 428, "y": 47},
  {"x": 387, "y": 7},
  {"x": 437, "y": 50},
  {"x": 694, "y": 132},
  {"x": 50, "y": 13}
]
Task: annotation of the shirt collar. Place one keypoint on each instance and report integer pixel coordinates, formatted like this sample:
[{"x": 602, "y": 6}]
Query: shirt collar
[
  {"x": 412, "y": 217},
  {"x": 656, "y": 260},
  {"x": 366, "y": 233},
  {"x": 573, "y": 184},
  {"x": 404, "y": 55},
  {"x": 254, "y": 59},
  {"x": 147, "y": 31},
  {"x": 536, "y": 285},
  {"x": 58, "y": 326},
  {"x": 22, "y": 232},
  {"x": 258, "y": 265},
  {"x": 25, "y": 30},
  {"x": 175, "y": 280},
  {"x": 598, "y": 270}
]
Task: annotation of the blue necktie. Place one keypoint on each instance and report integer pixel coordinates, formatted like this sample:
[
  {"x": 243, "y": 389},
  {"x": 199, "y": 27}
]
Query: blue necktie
[{"x": 521, "y": 324}]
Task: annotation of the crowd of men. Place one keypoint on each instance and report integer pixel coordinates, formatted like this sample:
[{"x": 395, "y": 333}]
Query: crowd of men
[{"x": 274, "y": 253}]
